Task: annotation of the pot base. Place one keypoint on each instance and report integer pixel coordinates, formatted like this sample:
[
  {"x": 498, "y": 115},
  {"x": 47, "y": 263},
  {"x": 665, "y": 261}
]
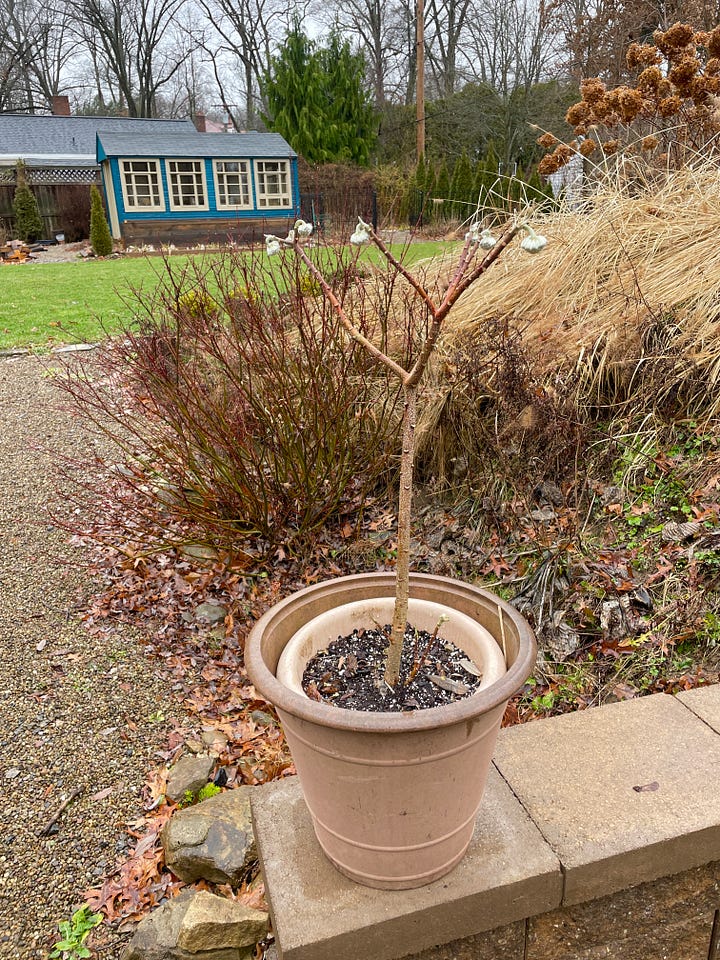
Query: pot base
[{"x": 396, "y": 883}]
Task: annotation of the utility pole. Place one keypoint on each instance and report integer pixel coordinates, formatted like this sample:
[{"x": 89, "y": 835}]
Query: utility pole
[{"x": 420, "y": 77}]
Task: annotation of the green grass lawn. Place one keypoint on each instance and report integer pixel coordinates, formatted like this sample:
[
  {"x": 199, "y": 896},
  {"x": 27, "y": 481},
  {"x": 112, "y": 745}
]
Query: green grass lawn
[{"x": 46, "y": 304}]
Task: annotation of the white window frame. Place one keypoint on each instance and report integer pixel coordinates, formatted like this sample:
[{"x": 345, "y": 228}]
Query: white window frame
[
  {"x": 248, "y": 174},
  {"x": 262, "y": 195},
  {"x": 153, "y": 166},
  {"x": 186, "y": 207}
]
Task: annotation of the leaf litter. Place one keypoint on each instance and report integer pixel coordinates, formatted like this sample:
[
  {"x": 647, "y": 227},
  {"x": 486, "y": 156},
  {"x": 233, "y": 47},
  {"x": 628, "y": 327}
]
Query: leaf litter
[{"x": 630, "y": 603}]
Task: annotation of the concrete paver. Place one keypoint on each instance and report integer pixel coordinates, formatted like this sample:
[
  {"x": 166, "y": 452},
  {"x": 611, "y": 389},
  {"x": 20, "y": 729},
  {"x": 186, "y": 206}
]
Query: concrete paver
[
  {"x": 624, "y": 794},
  {"x": 704, "y": 703},
  {"x": 508, "y": 874}
]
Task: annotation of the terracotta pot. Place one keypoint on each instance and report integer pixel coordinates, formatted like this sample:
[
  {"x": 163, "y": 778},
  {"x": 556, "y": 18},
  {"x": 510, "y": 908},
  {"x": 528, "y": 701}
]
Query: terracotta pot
[{"x": 393, "y": 796}]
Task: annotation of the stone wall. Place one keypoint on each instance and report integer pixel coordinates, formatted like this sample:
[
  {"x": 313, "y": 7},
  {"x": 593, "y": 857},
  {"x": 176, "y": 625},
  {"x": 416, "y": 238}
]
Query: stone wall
[
  {"x": 208, "y": 231},
  {"x": 670, "y": 919},
  {"x": 598, "y": 836}
]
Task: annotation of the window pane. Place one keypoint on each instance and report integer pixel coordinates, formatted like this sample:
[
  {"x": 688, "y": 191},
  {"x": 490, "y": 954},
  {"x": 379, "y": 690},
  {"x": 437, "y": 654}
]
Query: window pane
[
  {"x": 233, "y": 183},
  {"x": 142, "y": 183},
  {"x": 273, "y": 183},
  {"x": 186, "y": 183}
]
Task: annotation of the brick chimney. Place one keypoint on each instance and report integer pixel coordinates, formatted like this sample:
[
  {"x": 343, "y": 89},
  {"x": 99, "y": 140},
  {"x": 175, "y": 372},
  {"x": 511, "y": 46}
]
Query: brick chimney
[
  {"x": 61, "y": 106},
  {"x": 200, "y": 124}
]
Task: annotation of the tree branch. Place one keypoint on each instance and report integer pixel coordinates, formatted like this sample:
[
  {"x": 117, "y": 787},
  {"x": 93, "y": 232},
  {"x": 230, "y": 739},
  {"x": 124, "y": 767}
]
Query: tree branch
[{"x": 352, "y": 330}]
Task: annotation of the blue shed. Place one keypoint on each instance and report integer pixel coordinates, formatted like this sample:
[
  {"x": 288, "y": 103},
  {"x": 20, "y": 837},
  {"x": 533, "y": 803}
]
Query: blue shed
[{"x": 194, "y": 187}]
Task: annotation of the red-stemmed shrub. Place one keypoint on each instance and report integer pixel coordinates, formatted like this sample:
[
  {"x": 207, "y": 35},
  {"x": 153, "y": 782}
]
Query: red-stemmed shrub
[{"x": 238, "y": 404}]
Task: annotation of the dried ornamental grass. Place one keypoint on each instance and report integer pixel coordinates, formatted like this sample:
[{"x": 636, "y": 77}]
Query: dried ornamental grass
[{"x": 623, "y": 307}]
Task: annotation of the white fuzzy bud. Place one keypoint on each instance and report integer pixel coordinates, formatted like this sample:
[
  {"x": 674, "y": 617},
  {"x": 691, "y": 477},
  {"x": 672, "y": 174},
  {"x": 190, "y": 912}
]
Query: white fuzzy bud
[
  {"x": 533, "y": 243},
  {"x": 487, "y": 240},
  {"x": 362, "y": 234}
]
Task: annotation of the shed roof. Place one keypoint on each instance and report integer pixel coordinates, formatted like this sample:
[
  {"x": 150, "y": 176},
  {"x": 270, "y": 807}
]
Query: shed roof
[
  {"x": 55, "y": 141},
  {"x": 160, "y": 144}
]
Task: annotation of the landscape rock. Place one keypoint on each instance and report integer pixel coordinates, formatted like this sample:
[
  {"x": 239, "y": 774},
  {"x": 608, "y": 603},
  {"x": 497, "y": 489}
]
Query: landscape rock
[
  {"x": 14, "y": 352},
  {"x": 199, "y": 551},
  {"x": 562, "y": 638},
  {"x": 214, "y": 922},
  {"x": 547, "y": 492},
  {"x": 214, "y": 740},
  {"x": 189, "y": 774},
  {"x": 210, "y": 612},
  {"x": 75, "y": 348},
  {"x": 677, "y": 532},
  {"x": 198, "y": 925},
  {"x": 543, "y": 514},
  {"x": 611, "y": 494},
  {"x": 212, "y": 840},
  {"x": 261, "y": 718}
]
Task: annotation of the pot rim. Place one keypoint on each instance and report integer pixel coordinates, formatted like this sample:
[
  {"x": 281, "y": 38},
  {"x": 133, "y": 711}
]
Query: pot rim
[{"x": 275, "y": 692}]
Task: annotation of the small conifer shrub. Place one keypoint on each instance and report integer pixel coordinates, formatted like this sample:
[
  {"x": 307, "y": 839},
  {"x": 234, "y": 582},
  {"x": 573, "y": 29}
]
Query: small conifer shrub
[
  {"x": 100, "y": 239},
  {"x": 28, "y": 222}
]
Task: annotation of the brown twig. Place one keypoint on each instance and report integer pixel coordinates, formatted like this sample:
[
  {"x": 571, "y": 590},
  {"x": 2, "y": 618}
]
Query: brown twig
[
  {"x": 419, "y": 661},
  {"x": 346, "y": 321},
  {"x": 59, "y": 812}
]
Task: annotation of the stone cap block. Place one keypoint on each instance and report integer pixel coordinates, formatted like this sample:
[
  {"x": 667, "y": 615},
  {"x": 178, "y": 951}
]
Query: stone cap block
[
  {"x": 509, "y": 873},
  {"x": 623, "y": 794},
  {"x": 704, "y": 703}
]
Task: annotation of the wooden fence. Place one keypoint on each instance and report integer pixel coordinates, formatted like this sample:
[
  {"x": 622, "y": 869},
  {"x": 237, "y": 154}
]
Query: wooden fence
[{"x": 64, "y": 208}]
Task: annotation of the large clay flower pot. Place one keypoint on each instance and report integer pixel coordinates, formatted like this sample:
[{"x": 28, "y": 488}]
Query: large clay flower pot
[{"x": 393, "y": 796}]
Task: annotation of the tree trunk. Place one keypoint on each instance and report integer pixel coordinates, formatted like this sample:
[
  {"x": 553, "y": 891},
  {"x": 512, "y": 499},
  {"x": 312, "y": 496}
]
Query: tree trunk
[{"x": 402, "y": 592}]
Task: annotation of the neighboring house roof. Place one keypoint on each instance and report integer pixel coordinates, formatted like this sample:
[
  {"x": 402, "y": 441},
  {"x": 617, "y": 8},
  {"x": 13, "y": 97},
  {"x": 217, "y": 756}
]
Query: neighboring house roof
[
  {"x": 53, "y": 141},
  {"x": 161, "y": 144},
  {"x": 211, "y": 126}
]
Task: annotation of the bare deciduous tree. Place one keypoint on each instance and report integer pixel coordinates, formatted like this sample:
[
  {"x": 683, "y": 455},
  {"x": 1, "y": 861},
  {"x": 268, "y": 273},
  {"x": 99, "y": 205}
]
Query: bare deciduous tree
[
  {"x": 244, "y": 31},
  {"x": 509, "y": 45},
  {"x": 37, "y": 46},
  {"x": 135, "y": 40},
  {"x": 444, "y": 38}
]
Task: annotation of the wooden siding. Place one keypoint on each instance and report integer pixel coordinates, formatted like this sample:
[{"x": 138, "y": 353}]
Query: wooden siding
[{"x": 214, "y": 230}]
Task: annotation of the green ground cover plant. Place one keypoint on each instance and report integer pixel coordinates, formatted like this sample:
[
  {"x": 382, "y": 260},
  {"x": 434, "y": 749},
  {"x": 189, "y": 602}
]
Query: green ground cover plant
[
  {"x": 74, "y": 932},
  {"x": 46, "y": 304}
]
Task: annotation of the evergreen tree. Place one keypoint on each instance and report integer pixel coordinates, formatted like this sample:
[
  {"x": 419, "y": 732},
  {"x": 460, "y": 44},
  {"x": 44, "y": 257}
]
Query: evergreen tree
[
  {"x": 430, "y": 178},
  {"x": 100, "y": 239},
  {"x": 541, "y": 193},
  {"x": 316, "y": 100},
  {"x": 28, "y": 222},
  {"x": 407, "y": 206},
  {"x": 430, "y": 189},
  {"x": 480, "y": 186},
  {"x": 352, "y": 124},
  {"x": 420, "y": 175},
  {"x": 462, "y": 188},
  {"x": 488, "y": 183},
  {"x": 294, "y": 96},
  {"x": 418, "y": 203},
  {"x": 442, "y": 190},
  {"x": 493, "y": 181}
]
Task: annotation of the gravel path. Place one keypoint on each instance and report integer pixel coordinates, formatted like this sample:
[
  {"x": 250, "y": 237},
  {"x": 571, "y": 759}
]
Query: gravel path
[{"x": 74, "y": 710}]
